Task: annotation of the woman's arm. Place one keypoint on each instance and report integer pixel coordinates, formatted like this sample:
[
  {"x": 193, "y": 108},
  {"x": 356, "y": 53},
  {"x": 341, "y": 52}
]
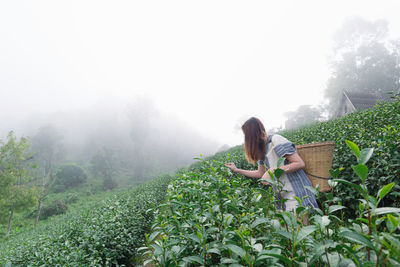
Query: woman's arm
[
  {"x": 295, "y": 163},
  {"x": 252, "y": 174}
]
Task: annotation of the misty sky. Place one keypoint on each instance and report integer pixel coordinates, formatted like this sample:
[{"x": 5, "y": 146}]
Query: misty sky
[{"x": 211, "y": 64}]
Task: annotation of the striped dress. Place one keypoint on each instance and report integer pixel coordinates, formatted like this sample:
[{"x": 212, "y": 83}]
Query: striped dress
[{"x": 277, "y": 147}]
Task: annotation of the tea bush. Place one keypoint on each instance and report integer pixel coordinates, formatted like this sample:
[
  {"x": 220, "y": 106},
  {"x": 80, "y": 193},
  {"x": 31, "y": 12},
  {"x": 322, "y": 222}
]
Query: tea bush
[
  {"x": 107, "y": 234},
  {"x": 378, "y": 128},
  {"x": 213, "y": 217}
]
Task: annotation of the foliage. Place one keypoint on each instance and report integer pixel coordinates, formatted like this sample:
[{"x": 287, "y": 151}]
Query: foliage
[
  {"x": 379, "y": 128},
  {"x": 16, "y": 194},
  {"x": 106, "y": 234},
  {"x": 69, "y": 176},
  {"x": 213, "y": 217},
  {"x": 55, "y": 207},
  {"x": 104, "y": 164}
]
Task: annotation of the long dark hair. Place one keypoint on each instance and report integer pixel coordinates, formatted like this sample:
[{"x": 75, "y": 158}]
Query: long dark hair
[{"x": 255, "y": 138}]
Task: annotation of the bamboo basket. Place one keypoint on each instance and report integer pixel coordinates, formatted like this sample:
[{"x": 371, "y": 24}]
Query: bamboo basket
[{"x": 318, "y": 160}]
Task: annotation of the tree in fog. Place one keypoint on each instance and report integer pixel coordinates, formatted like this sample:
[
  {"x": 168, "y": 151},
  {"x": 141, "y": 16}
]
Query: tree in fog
[
  {"x": 104, "y": 164},
  {"x": 304, "y": 115},
  {"x": 17, "y": 193},
  {"x": 364, "y": 61},
  {"x": 48, "y": 149}
]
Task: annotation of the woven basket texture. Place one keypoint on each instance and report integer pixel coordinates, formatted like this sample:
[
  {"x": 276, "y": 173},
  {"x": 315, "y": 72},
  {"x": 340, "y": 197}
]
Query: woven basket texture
[{"x": 318, "y": 160}]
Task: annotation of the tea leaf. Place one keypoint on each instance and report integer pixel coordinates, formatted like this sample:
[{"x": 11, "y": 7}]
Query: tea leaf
[
  {"x": 278, "y": 173},
  {"x": 355, "y": 186},
  {"x": 361, "y": 170},
  {"x": 391, "y": 222},
  {"x": 334, "y": 208},
  {"x": 385, "y": 190},
  {"x": 385, "y": 210},
  {"x": 193, "y": 259},
  {"x": 237, "y": 250},
  {"x": 354, "y": 148},
  {"x": 356, "y": 237},
  {"x": 214, "y": 250},
  {"x": 365, "y": 155},
  {"x": 259, "y": 221},
  {"x": 305, "y": 231}
]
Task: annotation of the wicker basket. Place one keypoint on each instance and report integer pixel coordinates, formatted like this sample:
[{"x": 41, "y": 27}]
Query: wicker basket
[{"x": 318, "y": 160}]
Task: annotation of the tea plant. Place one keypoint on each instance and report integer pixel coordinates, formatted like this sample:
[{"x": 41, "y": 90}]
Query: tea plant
[
  {"x": 378, "y": 128},
  {"x": 213, "y": 217},
  {"x": 107, "y": 234}
]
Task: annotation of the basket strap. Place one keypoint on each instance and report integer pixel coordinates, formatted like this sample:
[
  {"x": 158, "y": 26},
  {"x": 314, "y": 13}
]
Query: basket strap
[{"x": 325, "y": 178}]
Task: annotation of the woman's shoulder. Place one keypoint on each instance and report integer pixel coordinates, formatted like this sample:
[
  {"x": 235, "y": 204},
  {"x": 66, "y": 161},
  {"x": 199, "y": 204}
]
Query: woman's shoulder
[{"x": 279, "y": 139}]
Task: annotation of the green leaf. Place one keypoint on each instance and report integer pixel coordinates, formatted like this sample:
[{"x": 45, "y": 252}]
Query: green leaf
[
  {"x": 278, "y": 173},
  {"x": 280, "y": 162},
  {"x": 354, "y": 148},
  {"x": 361, "y": 170},
  {"x": 360, "y": 189},
  {"x": 394, "y": 241},
  {"x": 285, "y": 234},
  {"x": 153, "y": 235},
  {"x": 259, "y": 221},
  {"x": 305, "y": 231},
  {"x": 365, "y": 155},
  {"x": 391, "y": 222},
  {"x": 195, "y": 238},
  {"x": 280, "y": 257},
  {"x": 147, "y": 262},
  {"x": 334, "y": 208},
  {"x": 356, "y": 237},
  {"x": 385, "y": 190},
  {"x": 194, "y": 259},
  {"x": 228, "y": 260},
  {"x": 334, "y": 173},
  {"x": 385, "y": 210},
  {"x": 214, "y": 250},
  {"x": 237, "y": 250},
  {"x": 157, "y": 249}
]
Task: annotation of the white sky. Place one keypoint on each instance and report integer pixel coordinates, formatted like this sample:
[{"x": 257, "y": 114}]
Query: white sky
[{"x": 212, "y": 64}]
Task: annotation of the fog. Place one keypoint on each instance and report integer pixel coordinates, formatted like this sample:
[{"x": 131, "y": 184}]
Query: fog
[
  {"x": 201, "y": 67},
  {"x": 135, "y": 133}
]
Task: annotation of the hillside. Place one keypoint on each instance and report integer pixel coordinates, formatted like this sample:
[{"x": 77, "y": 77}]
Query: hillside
[
  {"x": 208, "y": 216},
  {"x": 213, "y": 217}
]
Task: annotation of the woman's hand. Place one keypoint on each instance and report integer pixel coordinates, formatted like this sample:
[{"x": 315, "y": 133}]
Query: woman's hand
[{"x": 231, "y": 166}]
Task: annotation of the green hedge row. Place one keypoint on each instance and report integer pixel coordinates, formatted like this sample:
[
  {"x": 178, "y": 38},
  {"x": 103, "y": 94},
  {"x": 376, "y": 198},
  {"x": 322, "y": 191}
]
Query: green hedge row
[{"x": 105, "y": 235}]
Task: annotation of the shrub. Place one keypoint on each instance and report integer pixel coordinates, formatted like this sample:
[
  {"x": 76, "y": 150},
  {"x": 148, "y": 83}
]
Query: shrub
[
  {"x": 69, "y": 176},
  {"x": 56, "y": 207}
]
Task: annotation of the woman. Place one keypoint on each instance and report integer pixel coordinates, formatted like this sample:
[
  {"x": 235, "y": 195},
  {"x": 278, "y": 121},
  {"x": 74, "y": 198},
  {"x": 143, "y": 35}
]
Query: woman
[{"x": 265, "y": 151}]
